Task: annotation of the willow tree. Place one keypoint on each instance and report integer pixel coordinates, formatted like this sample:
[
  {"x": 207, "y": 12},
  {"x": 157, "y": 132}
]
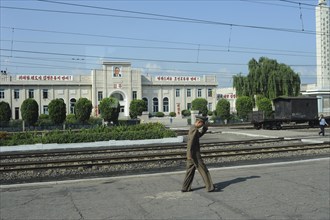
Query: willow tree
[{"x": 268, "y": 78}]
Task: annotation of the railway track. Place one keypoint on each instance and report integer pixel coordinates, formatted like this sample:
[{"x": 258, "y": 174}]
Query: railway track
[
  {"x": 135, "y": 149},
  {"x": 33, "y": 166},
  {"x": 150, "y": 157}
]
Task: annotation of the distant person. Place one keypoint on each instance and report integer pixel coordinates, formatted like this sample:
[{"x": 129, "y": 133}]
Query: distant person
[
  {"x": 194, "y": 159},
  {"x": 323, "y": 123},
  {"x": 117, "y": 72}
]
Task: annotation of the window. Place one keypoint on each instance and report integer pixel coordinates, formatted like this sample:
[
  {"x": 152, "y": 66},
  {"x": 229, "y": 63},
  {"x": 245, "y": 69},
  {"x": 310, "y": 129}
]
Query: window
[
  {"x": 209, "y": 92},
  {"x": 146, "y": 101},
  {"x": 165, "y": 104},
  {"x": 99, "y": 95},
  {"x": 199, "y": 92},
  {"x": 16, "y": 113},
  {"x": 31, "y": 93},
  {"x": 188, "y": 92},
  {"x": 72, "y": 104},
  {"x": 45, "y": 109},
  {"x": 188, "y": 106},
  {"x": 2, "y": 93},
  {"x": 210, "y": 106},
  {"x": 16, "y": 93},
  {"x": 134, "y": 95},
  {"x": 155, "y": 105},
  {"x": 177, "y": 93},
  {"x": 45, "y": 93}
]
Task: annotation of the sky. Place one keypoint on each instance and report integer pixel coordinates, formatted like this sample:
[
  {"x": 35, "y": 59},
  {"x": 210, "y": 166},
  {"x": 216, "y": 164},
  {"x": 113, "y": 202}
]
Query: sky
[{"x": 160, "y": 37}]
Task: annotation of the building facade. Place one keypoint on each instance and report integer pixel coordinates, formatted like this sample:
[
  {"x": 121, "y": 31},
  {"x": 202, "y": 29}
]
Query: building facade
[
  {"x": 229, "y": 94},
  {"x": 322, "y": 88},
  {"x": 117, "y": 79}
]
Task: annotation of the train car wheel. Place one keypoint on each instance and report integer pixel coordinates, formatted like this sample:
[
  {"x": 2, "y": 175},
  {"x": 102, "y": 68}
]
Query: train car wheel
[{"x": 278, "y": 126}]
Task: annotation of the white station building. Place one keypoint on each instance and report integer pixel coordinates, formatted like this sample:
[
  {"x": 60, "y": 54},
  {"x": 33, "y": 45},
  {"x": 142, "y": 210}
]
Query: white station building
[{"x": 117, "y": 79}]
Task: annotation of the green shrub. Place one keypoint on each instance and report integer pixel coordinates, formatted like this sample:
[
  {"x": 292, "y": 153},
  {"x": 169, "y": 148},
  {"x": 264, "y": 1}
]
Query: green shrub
[
  {"x": 57, "y": 111},
  {"x": 43, "y": 116},
  {"x": 200, "y": 104},
  {"x": 30, "y": 111},
  {"x": 185, "y": 112},
  {"x": 5, "y": 113},
  {"x": 172, "y": 114},
  {"x": 44, "y": 120},
  {"x": 99, "y": 133},
  {"x": 137, "y": 107},
  {"x": 95, "y": 121},
  {"x": 83, "y": 109},
  {"x": 110, "y": 108},
  {"x": 18, "y": 123},
  {"x": 159, "y": 114},
  {"x": 71, "y": 119}
]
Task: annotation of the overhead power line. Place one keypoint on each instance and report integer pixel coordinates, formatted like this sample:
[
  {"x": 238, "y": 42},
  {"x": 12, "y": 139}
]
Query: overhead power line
[
  {"x": 160, "y": 71},
  {"x": 233, "y": 50},
  {"x": 178, "y": 18},
  {"x": 97, "y": 35},
  {"x": 136, "y": 59},
  {"x": 297, "y": 3}
]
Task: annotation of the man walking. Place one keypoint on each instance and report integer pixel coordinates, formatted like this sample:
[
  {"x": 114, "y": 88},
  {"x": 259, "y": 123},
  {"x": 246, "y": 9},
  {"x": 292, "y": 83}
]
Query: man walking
[
  {"x": 323, "y": 123},
  {"x": 194, "y": 159}
]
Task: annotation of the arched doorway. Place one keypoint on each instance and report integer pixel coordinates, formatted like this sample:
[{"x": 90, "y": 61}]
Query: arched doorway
[{"x": 122, "y": 102}]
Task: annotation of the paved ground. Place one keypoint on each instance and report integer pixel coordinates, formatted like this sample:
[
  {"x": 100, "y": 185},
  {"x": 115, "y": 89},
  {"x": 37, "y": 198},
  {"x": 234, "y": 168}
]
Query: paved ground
[
  {"x": 290, "y": 190},
  {"x": 298, "y": 190}
]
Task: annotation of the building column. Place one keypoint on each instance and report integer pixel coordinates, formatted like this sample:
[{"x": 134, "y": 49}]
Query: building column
[{"x": 320, "y": 103}]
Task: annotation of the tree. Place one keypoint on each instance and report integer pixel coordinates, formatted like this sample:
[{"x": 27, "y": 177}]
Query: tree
[
  {"x": 83, "y": 109},
  {"x": 269, "y": 78},
  {"x": 244, "y": 106},
  {"x": 30, "y": 111},
  {"x": 264, "y": 104},
  {"x": 223, "y": 109},
  {"x": 136, "y": 108},
  {"x": 200, "y": 104},
  {"x": 109, "y": 108},
  {"x": 5, "y": 113},
  {"x": 57, "y": 111}
]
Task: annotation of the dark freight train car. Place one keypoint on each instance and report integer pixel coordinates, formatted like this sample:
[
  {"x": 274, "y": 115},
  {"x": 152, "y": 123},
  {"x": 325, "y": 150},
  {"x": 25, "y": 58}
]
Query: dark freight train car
[
  {"x": 296, "y": 108},
  {"x": 288, "y": 110}
]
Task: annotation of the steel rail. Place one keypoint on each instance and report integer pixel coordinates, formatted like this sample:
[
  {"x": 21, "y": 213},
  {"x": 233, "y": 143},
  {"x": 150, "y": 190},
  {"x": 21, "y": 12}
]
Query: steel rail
[
  {"x": 104, "y": 161},
  {"x": 101, "y": 150}
]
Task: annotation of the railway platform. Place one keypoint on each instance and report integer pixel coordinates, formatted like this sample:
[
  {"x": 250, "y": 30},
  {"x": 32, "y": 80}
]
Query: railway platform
[{"x": 287, "y": 190}]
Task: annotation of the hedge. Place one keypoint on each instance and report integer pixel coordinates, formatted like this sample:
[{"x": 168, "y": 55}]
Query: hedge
[{"x": 100, "y": 133}]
